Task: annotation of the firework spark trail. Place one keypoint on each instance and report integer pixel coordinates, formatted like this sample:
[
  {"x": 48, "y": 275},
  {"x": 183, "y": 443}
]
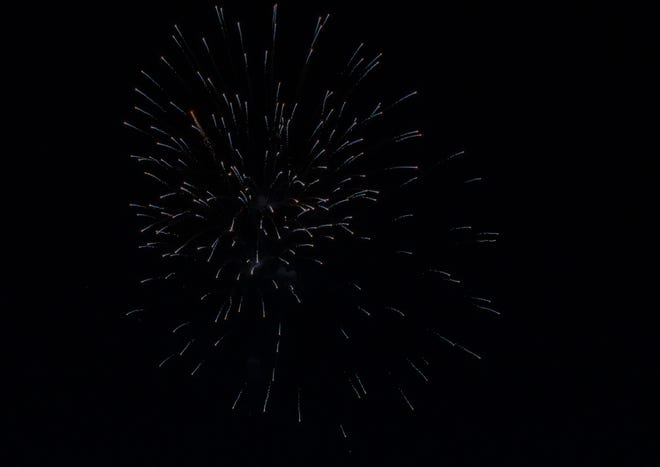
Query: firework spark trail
[
  {"x": 459, "y": 346},
  {"x": 299, "y": 410},
  {"x": 267, "y": 396},
  {"x": 240, "y": 393},
  {"x": 257, "y": 186},
  {"x": 407, "y": 401}
]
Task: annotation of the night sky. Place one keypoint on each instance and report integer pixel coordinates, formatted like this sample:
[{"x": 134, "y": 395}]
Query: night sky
[{"x": 530, "y": 93}]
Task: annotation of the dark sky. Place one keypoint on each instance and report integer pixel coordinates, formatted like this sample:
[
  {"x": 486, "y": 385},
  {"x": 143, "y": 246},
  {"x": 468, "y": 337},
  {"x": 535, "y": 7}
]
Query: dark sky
[{"x": 529, "y": 91}]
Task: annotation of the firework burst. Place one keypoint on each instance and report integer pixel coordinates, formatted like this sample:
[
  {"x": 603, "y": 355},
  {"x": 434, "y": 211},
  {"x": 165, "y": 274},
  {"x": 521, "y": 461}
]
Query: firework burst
[{"x": 273, "y": 200}]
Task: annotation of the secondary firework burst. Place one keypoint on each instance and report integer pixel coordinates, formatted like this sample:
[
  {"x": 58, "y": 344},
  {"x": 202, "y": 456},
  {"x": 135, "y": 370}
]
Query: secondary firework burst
[{"x": 266, "y": 206}]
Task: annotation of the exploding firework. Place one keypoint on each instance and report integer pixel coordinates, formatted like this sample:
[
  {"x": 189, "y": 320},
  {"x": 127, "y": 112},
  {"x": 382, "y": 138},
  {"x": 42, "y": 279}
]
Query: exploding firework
[{"x": 281, "y": 212}]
